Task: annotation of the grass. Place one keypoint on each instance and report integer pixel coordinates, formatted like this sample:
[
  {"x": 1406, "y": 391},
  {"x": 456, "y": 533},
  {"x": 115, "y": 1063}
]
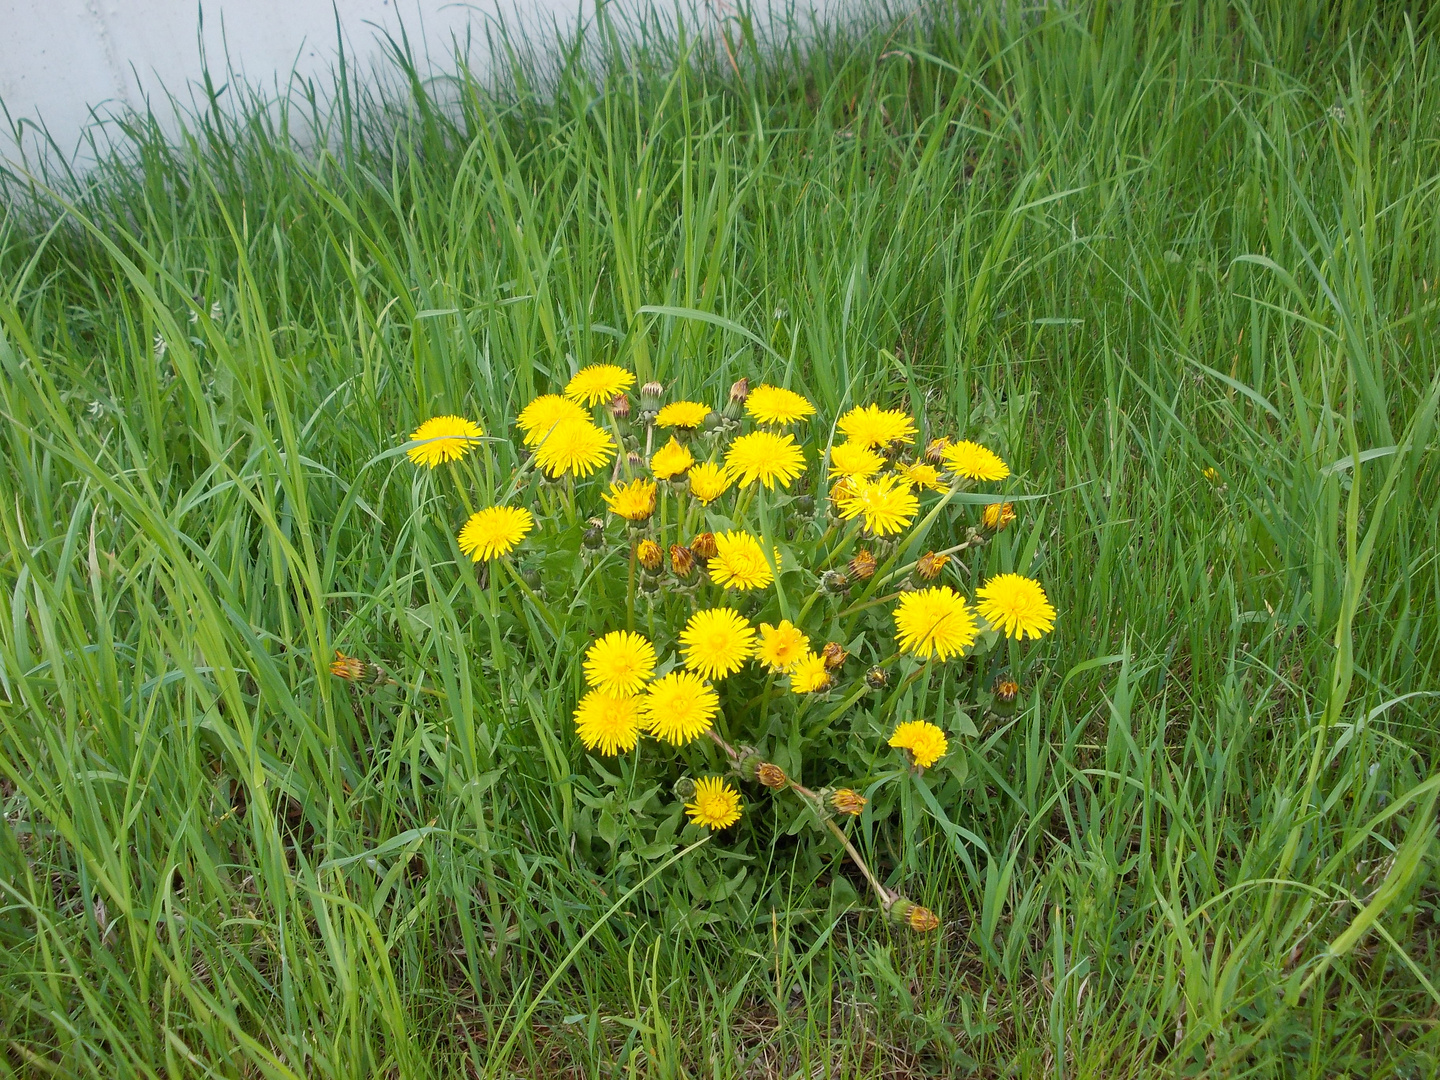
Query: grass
[{"x": 1143, "y": 239}]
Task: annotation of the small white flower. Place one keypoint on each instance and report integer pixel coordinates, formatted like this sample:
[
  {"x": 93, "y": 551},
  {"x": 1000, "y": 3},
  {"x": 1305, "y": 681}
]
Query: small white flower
[
  {"x": 94, "y": 408},
  {"x": 160, "y": 346},
  {"x": 216, "y": 311}
]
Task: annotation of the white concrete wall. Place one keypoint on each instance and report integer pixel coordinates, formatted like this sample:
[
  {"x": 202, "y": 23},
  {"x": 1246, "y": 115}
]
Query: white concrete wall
[{"x": 61, "y": 59}]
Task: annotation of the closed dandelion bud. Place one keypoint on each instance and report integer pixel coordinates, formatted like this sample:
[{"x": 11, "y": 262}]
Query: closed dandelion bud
[
  {"x": 846, "y": 801},
  {"x": 931, "y": 565},
  {"x": 350, "y": 668},
  {"x": 682, "y": 560},
  {"x": 650, "y": 394},
  {"x": 704, "y": 546},
  {"x": 834, "y": 654},
  {"x": 620, "y": 407},
  {"x": 834, "y": 581},
  {"x": 684, "y": 789},
  {"x": 635, "y": 460},
  {"x": 739, "y": 391},
  {"x": 903, "y": 912},
  {"x": 877, "y": 678},
  {"x": 650, "y": 554},
  {"x": 863, "y": 565},
  {"x": 594, "y": 533},
  {"x": 805, "y": 505},
  {"x": 531, "y": 578},
  {"x": 935, "y": 450},
  {"x": 772, "y": 776}
]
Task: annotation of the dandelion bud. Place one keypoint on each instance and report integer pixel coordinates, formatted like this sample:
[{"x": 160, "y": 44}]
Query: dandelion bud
[
  {"x": 905, "y": 912},
  {"x": 635, "y": 460},
  {"x": 1212, "y": 474},
  {"x": 704, "y": 546},
  {"x": 682, "y": 560},
  {"x": 650, "y": 554},
  {"x": 531, "y": 577},
  {"x": 931, "y": 565},
  {"x": 805, "y": 505},
  {"x": 594, "y": 533},
  {"x": 996, "y": 516},
  {"x": 863, "y": 565},
  {"x": 935, "y": 451},
  {"x": 620, "y": 407},
  {"x": 841, "y": 490},
  {"x": 834, "y": 581},
  {"x": 651, "y": 393},
  {"x": 834, "y": 655},
  {"x": 347, "y": 667},
  {"x": 739, "y": 391},
  {"x": 877, "y": 678},
  {"x": 1006, "y": 692},
  {"x": 845, "y": 801},
  {"x": 772, "y": 776},
  {"x": 684, "y": 789}
]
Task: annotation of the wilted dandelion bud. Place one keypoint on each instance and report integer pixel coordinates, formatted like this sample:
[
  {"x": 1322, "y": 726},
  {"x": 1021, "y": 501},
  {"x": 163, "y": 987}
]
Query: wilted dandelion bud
[
  {"x": 1006, "y": 693},
  {"x": 704, "y": 546},
  {"x": 846, "y": 801},
  {"x": 620, "y": 407},
  {"x": 682, "y": 560},
  {"x": 834, "y": 655},
  {"x": 905, "y": 912},
  {"x": 863, "y": 565},
  {"x": 739, "y": 391},
  {"x": 935, "y": 450},
  {"x": 996, "y": 516},
  {"x": 834, "y": 581},
  {"x": 351, "y": 668},
  {"x": 684, "y": 789},
  {"x": 877, "y": 678},
  {"x": 931, "y": 565},
  {"x": 650, "y": 555},
  {"x": 635, "y": 460},
  {"x": 594, "y": 533},
  {"x": 772, "y": 776},
  {"x": 650, "y": 394}
]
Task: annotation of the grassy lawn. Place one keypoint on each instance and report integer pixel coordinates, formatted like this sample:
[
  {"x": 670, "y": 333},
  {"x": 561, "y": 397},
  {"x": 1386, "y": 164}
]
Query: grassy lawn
[{"x": 1177, "y": 262}]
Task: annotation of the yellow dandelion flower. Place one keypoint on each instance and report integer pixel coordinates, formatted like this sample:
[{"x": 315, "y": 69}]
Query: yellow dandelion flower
[
  {"x": 926, "y": 742},
  {"x": 686, "y": 415},
  {"x": 766, "y": 457},
  {"x": 609, "y": 723},
  {"x": 542, "y": 414},
  {"x": 574, "y": 446},
  {"x": 975, "y": 462},
  {"x": 598, "y": 383},
  {"x": 739, "y": 562},
  {"x": 679, "y": 707},
  {"x": 1015, "y": 605},
  {"x": 781, "y": 646},
  {"x": 634, "y": 501},
  {"x": 886, "y": 504},
  {"x": 854, "y": 460},
  {"x": 708, "y": 481},
  {"x": 716, "y": 805},
  {"x": 671, "y": 460},
  {"x": 923, "y": 475},
  {"x": 776, "y": 406},
  {"x": 442, "y": 439},
  {"x": 809, "y": 675},
  {"x": 717, "y": 642},
  {"x": 495, "y": 531},
  {"x": 934, "y": 622},
  {"x": 870, "y": 425},
  {"x": 997, "y": 515},
  {"x": 620, "y": 663}
]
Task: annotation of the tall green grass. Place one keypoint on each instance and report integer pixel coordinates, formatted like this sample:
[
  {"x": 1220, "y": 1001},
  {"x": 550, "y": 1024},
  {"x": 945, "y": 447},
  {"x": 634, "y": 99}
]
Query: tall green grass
[{"x": 1149, "y": 238}]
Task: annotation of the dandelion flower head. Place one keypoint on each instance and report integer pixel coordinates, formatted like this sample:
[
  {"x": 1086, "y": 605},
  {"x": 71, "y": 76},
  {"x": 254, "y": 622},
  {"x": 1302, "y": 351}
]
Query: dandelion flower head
[
  {"x": 926, "y": 742},
  {"x": 781, "y": 646},
  {"x": 870, "y": 425},
  {"x": 854, "y": 460},
  {"x": 886, "y": 504},
  {"x": 934, "y": 622},
  {"x": 776, "y": 406},
  {"x": 1015, "y": 605},
  {"x": 609, "y": 723},
  {"x": 975, "y": 462},
  {"x": 717, "y": 642},
  {"x": 766, "y": 457},
  {"x": 709, "y": 480},
  {"x": 634, "y": 501},
  {"x": 739, "y": 562},
  {"x": 671, "y": 460},
  {"x": 621, "y": 662},
  {"x": 923, "y": 475},
  {"x": 679, "y": 707},
  {"x": 495, "y": 531},
  {"x": 809, "y": 675},
  {"x": 716, "y": 805},
  {"x": 574, "y": 446},
  {"x": 442, "y": 439},
  {"x": 598, "y": 383},
  {"x": 686, "y": 415},
  {"x": 542, "y": 414}
]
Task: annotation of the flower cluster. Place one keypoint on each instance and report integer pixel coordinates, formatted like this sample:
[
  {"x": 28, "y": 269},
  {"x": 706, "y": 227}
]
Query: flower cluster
[{"x": 765, "y": 570}]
